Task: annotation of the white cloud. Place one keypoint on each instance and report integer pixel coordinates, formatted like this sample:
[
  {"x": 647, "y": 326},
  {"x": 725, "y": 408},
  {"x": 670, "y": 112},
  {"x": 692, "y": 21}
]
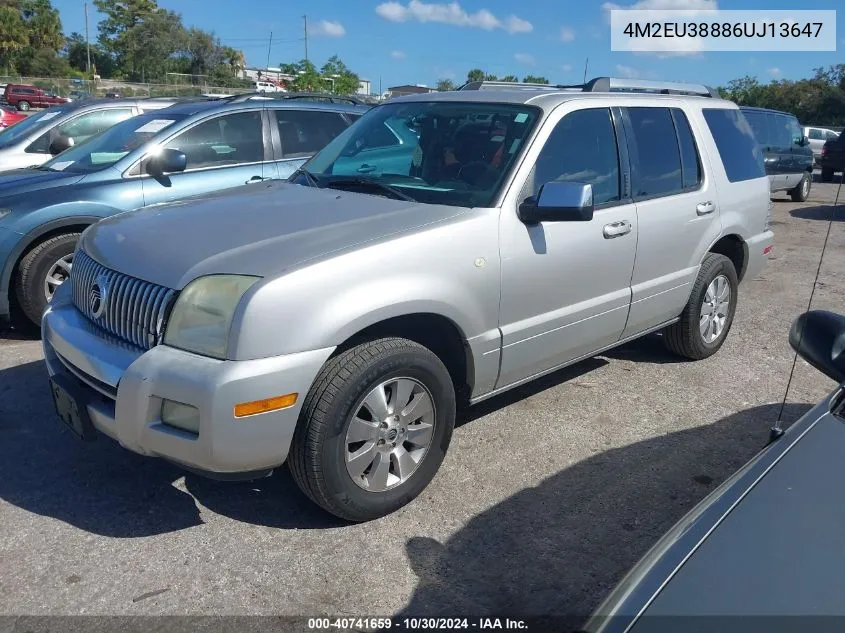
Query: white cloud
[
  {"x": 774, "y": 72},
  {"x": 566, "y": 34},
  {"x": 451, "y": 13},
  {"x": 566, "y": 67},
  {"x": 398, "y": 54},
  {"x": 525, "y": 58},
  {"x": 627, "y": 72},
  {"x": 328, "y": 29}
]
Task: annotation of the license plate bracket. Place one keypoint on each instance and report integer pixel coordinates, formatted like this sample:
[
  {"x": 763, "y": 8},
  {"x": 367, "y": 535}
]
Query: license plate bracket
[{"x": 71, "y": 407}]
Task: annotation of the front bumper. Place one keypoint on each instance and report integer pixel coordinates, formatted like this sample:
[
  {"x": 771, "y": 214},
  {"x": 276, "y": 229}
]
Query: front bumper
[{"x": 124, "y": 388}]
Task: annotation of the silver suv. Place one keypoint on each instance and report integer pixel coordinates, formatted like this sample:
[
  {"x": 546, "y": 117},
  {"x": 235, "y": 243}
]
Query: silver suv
[{"x": 443, "y": 249}]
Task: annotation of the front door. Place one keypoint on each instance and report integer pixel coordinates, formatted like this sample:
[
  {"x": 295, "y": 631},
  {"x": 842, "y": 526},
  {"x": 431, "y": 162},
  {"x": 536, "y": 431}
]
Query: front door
[
  {"x": 566, "y": 285},
  {"x": 225, "y": 151}
]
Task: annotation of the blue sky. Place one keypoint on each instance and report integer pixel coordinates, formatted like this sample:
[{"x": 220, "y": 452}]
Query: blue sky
[{"x": 420, "y": 41}]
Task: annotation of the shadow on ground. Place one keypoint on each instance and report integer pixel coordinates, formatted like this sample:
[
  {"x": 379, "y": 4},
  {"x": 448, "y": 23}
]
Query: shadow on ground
[
  {"x": 522, "y": 557},
  {"x": 823, "y": 212}
]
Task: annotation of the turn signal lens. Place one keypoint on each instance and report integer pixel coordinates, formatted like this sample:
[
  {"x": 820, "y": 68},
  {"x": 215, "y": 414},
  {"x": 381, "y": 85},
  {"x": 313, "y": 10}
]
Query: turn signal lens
[{"x": 263, "y": 406}]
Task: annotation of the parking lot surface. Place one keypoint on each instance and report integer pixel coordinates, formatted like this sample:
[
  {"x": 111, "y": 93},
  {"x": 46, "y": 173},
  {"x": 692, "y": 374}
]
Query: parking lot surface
[{"x": 547, "y": 496}]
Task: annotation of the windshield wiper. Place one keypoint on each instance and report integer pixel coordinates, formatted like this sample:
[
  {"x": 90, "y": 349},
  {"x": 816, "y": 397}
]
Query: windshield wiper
[
  {"x": 351, "y": 182},
  {"x": 312, "y": 179}
]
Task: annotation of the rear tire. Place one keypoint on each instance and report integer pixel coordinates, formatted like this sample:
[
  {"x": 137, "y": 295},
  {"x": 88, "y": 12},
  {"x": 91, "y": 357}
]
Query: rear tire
[
  {"x": 23, "y": 106},
  {"x": 321, "y": 454},
  {"x": 801, "y": 191},
  {"x": 686, "y": 337},
  {"x": 827, "y": 175},
  {"x": 32, "y": 271}
]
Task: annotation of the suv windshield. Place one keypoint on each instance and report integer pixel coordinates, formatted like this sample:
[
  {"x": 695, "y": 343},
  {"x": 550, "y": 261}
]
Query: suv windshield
[
  {"x": 29, "y": 126},
  {"x": 105, "y": 149},
  {"x": 449, "y": 153}
]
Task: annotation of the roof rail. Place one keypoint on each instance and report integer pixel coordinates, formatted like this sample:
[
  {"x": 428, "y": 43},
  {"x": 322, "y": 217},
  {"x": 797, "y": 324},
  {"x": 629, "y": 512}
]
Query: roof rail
[
  {"x": 290, "y": 96},
  {"x": 604, "y": 84}
]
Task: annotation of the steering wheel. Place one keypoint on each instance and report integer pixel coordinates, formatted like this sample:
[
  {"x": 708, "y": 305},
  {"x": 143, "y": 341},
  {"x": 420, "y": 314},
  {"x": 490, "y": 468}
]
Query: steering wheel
[{"x": 477, "y": 172}]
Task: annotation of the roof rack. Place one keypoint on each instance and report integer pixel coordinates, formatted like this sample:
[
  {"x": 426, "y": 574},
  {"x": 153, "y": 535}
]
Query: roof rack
[
  {"x": 603, "y": 84},
  {"x": 290, "y": 96}
]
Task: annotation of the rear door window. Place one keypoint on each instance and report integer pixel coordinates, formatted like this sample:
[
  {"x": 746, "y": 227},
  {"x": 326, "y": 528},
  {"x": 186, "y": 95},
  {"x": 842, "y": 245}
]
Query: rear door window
[
  {"x": 656, "y": 156},
  {"x": 738, "y": 149},
  {"x": 690, "y": 162},
  {"x": 305, "y": 132},
  {"x": 816, "y": 134}
]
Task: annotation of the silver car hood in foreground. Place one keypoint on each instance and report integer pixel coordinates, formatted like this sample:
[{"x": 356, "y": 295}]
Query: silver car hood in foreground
[{"x": 262, "y": 230}]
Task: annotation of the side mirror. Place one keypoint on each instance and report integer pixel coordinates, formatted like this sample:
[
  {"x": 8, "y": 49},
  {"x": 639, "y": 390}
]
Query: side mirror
[
  {"x": 60, "y": 144},
  {"x": 559, "y": 202},
  {"x": 167, "y": 162},
  {"x": 819, "y": 338}
]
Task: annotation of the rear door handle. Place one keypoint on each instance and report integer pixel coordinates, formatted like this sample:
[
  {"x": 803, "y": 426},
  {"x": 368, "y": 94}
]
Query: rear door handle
[
  {"x": 616, "y": 229},
  {"x": 256, "y": 179},
  {"x": 366, "y": 169},
  {"x": 705, "y": 208}
]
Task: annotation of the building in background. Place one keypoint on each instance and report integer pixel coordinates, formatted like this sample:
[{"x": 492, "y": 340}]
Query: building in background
[
  {"x": 265, "y": 74},
  {"x": 401, "y": 91},
  {"x": 365, "y": 87}
]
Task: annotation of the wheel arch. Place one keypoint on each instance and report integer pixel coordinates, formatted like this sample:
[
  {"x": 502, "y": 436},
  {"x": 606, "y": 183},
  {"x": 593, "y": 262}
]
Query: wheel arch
[{"x": 735, "y": 249}]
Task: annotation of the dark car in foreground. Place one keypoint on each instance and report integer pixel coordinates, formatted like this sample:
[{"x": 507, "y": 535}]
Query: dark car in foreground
[
  {"x": 185, "y": 150},
  {"x": 832, "y": 159},
  {"x": 787, "y": 154},
  {"x": 764, "y": 551}
]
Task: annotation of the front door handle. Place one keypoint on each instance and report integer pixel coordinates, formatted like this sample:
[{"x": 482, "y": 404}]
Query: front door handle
[
  {"x": 256, "y": 179},
  {"x": 616, "y": 229},
  {"x": 705, "y": 208},
  {"x": 366, "y": 169}
]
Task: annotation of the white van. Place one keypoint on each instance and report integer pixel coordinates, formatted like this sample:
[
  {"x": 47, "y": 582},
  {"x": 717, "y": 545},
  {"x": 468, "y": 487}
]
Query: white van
[{"x": 266, "y": 86}]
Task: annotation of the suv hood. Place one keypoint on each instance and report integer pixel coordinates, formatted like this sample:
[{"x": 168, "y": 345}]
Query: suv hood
[
  {"x": 16, "y": 181},
  {"x": 249, "y": 230}
]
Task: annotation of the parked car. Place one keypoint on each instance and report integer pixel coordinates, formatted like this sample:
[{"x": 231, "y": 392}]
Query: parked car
[
  {"x": 818, "y": 136},
  {"x": 337, "y": 325},
  {"x": 24, "y": 97},
  {"x": 760, "y": 553},
  {"x": 832, "y": 158},
  {"x": 45, "y": 134},
  {"x": 185, "y": 150},
  {"x": 266, "y": 86},
  {"x": 787, "y": 153},
  {"x": 9, "y": 116},
  {"x": 76, "y": 95}
]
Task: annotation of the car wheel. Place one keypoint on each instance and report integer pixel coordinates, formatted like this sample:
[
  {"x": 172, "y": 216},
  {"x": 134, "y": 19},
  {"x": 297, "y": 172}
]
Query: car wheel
[
  {"x": 23, "y": 105},
  {"x": 41, "y": 271},
  {"x": 801, "y": 191},
  {"x": 374, "y": 428},
  {"x": 709, "y": 313},
  {"x": 827, "y": 175}
]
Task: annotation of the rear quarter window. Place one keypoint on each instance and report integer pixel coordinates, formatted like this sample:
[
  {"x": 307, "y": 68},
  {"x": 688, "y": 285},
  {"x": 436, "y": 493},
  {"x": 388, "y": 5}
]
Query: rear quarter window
[{"x": 738, "y": 149}]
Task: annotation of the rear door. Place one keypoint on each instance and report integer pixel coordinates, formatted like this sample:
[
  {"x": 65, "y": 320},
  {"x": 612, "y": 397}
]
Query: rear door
[
  {"x": 223, "y": 151},
  {"x": 302, "y": 133},
  {"x": 677, "y": 213}
]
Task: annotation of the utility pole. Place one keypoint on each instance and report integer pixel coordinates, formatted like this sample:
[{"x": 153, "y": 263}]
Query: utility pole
[
  {"x": 87, "y": 40},
  {"x": 305, "y": 24},
  {"x": 269, "y": 46}
]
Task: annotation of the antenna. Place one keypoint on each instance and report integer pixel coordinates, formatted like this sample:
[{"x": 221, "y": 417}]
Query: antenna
[
  {"x": 777, "y": 430},
  {"x": 305, "y": 27},
  {"x": 586, "y": 63}
]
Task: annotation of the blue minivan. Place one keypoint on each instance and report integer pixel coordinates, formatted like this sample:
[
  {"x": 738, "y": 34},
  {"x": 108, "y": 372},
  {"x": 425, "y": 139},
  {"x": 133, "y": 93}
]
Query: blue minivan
[{"x": 185, "y": 150}]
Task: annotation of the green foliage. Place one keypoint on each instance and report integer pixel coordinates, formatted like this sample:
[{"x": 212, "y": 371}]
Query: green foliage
[
  {"x": 30, "y": 30},
  {"x": 534, "y": 79},
  {"x": 345, "y": 81},
  {"x": 510, "y": 78},
  {"x": 476, "y": 74},
  {"x": 819, "y": 100},
  {"x": 445, "y": 85}
]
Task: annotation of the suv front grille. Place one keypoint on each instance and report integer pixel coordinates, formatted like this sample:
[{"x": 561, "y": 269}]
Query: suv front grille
[{"x": 129, "y": 308}]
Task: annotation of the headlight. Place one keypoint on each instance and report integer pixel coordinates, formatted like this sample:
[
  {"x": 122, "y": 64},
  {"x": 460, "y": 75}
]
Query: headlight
[{"x": 202, "y": 317}]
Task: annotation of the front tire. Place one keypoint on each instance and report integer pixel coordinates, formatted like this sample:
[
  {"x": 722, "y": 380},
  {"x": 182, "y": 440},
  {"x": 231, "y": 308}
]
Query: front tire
[
  {"x": 801, "y": 191},
  {"x": 23, "y": 106},
  {"x": 709, "y": 313},
  {"x": 41, "y": 271},
  {"x": 374, "y": 429}
]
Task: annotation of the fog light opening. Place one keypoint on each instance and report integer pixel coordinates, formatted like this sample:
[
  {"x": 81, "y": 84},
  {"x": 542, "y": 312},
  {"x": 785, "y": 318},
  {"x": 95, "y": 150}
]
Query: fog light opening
[
  {"x": 180, "y": 416},
  {"x": 255, "y": 407}
]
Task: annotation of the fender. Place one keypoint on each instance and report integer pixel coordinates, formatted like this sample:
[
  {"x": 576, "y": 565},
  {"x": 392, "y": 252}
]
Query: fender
[{"x": 29, "y": 239}]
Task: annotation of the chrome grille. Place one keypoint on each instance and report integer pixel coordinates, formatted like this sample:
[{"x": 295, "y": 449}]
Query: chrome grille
[{"x": 129, "y": 308}]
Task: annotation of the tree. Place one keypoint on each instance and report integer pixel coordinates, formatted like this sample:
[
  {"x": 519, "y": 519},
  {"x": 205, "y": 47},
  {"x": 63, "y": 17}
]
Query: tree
[
  {"x": 490, "y": 77},
  {"x": 510, "y": 78},
  {"x": 42, "y": 24},
  {"x": 339, "y": 77},
  {"x": 76, "y": 51},
  {"x": 445, "y": 85},
  {"x": 534, "y": 79},
  {"x": 26, "y": 28},
  {"x": 306, "y": 77},
  {"x": 13, "y": 36},
  {"x": 476, "y": 74}
]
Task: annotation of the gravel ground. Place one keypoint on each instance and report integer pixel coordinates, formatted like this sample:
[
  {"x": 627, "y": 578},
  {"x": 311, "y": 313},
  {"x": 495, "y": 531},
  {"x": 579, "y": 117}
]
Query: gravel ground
[{"x": 548, "y": 494}]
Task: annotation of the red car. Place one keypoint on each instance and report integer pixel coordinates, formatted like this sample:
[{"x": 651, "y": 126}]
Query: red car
[
  {"x": 24, "y": 97},
  {"x": 9, "y": 116}
]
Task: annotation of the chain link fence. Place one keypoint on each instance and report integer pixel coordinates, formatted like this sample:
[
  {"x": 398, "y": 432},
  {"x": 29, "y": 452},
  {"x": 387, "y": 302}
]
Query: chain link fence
[{"x": 78, "y": 88}]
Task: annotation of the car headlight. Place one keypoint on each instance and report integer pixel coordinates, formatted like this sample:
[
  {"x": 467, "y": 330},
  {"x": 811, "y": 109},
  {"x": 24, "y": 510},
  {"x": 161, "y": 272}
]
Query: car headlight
[{"x": 202, "y": 317}]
